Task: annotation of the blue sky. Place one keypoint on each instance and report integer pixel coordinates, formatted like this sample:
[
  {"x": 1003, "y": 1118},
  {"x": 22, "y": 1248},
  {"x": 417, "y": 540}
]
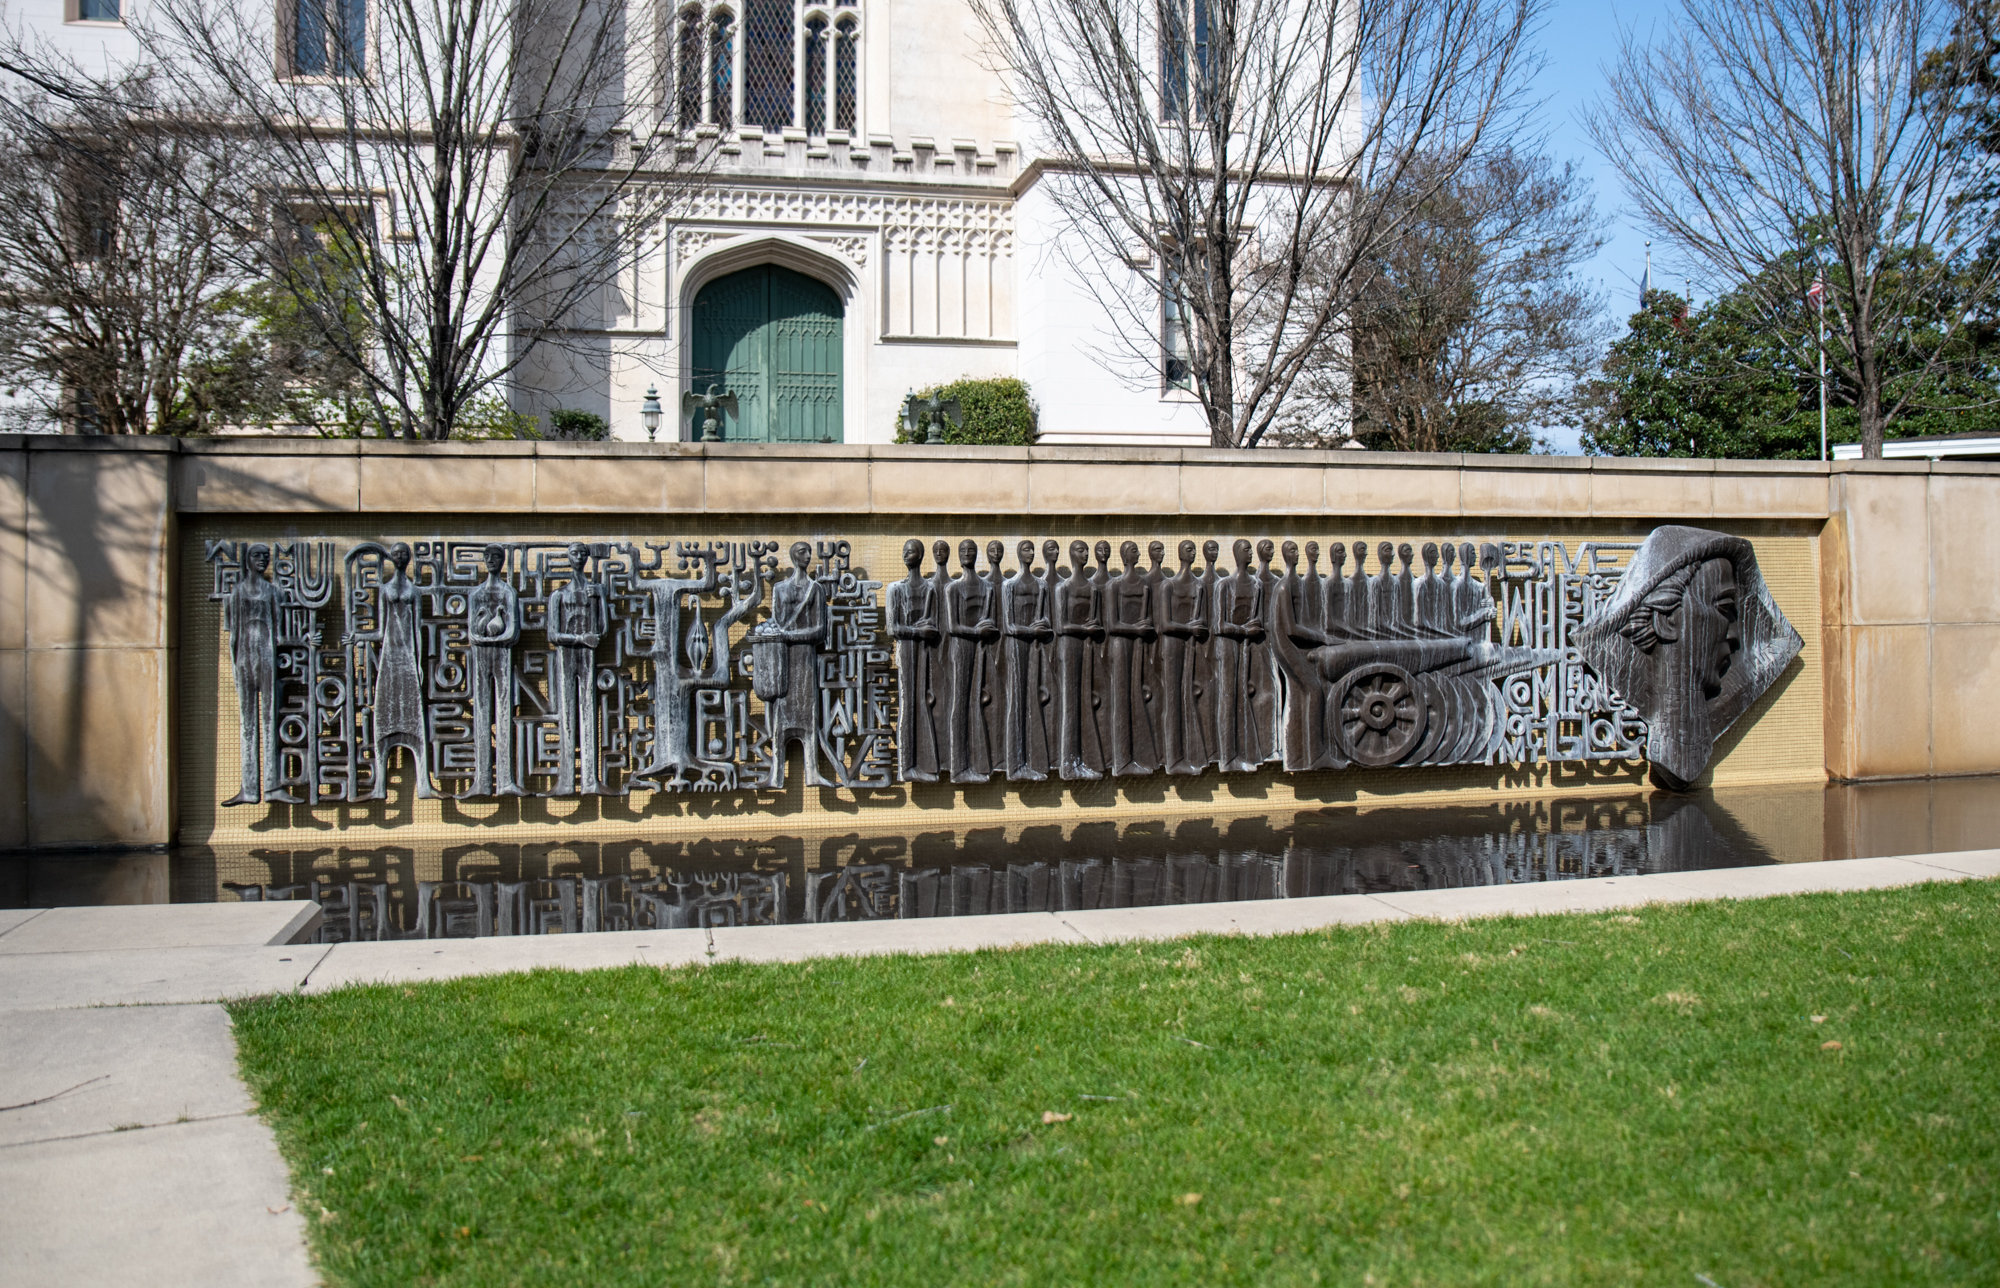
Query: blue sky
[{"x": 1580, "y": 40}]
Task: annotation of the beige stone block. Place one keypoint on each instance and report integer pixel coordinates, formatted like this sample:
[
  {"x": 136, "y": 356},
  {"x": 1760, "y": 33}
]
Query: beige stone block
[
  {"x": 1965, "y": 694},
  {"x": 449, "y": 482},
  {"x": 1556, "y": 493},
  {"x": 903, "y": 486},
  {"x": 1417, "y": 489},
  {"x": 1263, "y": 487},
  {"x": 268, "y": 482},
  {"x": 1669, "y": 495},
  {"x": 635, "y": 484},
  {"x": 13, "y": 549},
  {"x": 1889, "y": 691},
  {"x": 1837, "y": 699},
  {"x": 97, "y": 549},
  {"x": 1965, "y": 548},
  {"x": 1887, "y": 523},
  {"x": 1760, "y": 494},
  {"x": 97, "y": 747},
  {"x": 13, "y": 749},
  {"x": 1096, "y": 487},
  {"x": 749, "y": 480}
]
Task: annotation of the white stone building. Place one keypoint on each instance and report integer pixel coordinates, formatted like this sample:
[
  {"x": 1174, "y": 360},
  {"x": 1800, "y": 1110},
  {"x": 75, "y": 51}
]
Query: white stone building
[{"x": 873, "y": 226}]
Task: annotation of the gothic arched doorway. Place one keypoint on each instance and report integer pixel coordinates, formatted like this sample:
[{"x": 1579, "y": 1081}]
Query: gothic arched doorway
[{"x": 772, "y": 337}]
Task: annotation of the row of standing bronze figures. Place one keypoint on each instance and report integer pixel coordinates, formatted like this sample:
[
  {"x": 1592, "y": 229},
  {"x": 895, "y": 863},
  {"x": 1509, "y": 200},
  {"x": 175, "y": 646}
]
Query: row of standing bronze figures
[{"x": 1082, "y": 672}]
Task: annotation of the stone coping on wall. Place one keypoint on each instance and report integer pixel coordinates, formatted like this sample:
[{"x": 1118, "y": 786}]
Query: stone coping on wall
[{"x": 310, "y": 475}]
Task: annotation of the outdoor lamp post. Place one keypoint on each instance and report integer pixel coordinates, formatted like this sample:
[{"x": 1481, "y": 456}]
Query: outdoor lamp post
[{"x": 649, "y": 412}]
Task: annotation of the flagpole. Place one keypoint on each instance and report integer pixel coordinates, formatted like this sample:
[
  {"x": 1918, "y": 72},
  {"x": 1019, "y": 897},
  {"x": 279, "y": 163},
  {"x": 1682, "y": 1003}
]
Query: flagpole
[{"x": 1822, "y": 368}]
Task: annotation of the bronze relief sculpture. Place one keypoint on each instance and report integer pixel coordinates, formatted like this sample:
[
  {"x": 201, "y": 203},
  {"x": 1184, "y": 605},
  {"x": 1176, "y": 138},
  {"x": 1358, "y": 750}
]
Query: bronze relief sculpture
[
  {"x": 1690, "y": 639},
  {"x": 568, "y": 668}
]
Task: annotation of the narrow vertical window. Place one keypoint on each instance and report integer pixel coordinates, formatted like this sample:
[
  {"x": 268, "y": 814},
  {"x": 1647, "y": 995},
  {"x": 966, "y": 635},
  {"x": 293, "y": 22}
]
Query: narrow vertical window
[
  {"x": 767, "y": 63},
  {"x": 687, "y": 70},
  {"x": 351, "y": 38},
  {"x": 846, "y": 74},
  {"x": 309, "y": 39},
  {"x": 90, "y": 205},
  {"x": 721, "y": 76},
  {"x": 330, "y": 38},
  {"x": 816, "y": 76},
  {"x": 1204, "y": 73},
  {"x": 1176, "y": 334},
  {"x": 1173, "y": 60}
]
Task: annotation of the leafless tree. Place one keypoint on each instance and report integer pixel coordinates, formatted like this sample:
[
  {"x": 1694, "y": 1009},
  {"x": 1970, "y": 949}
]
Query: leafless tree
[
  {"x": 1469, "y": 330},
  {"x": 1248, "y": 157},
  {"x": 452, "y": 187},
  {"x": 121, "y": 307},
  {"x": 1767, "y": 140}
]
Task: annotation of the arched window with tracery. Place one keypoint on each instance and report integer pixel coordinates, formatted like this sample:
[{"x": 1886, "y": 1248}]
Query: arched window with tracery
[
  {"x": 768, "y": 62},
  {"x": 815, "y": 74},
  {"x": 722, "y": 69},
  {"x": 771, "y": 64},
  {"x": 847, "y": 73},
  {"x": 687, "y": 69}
]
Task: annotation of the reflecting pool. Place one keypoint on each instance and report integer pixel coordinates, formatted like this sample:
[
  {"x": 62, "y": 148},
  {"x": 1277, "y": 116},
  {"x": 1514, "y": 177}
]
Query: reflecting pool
[{"x": 469, "y": 887}]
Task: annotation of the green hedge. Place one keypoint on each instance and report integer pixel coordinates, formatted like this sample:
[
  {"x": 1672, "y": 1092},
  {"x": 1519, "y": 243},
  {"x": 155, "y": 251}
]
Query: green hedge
[{"x": 998, "y": 412}]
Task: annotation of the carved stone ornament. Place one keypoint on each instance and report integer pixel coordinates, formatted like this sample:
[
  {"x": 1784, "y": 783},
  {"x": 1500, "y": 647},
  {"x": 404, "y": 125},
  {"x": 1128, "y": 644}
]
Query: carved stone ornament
[{"x": 574, "y": 669}]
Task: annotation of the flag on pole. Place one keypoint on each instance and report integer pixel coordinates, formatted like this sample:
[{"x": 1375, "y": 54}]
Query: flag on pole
[{"x": 1817, "y": 291}]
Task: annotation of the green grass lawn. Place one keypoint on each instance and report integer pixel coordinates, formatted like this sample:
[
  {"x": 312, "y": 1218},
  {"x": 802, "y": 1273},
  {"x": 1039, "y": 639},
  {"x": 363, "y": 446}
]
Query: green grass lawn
[{"x": 1783, "y": 1091}]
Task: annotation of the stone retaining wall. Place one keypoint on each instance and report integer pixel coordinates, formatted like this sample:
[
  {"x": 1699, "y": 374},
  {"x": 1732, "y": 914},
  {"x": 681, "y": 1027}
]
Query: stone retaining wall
[{"x": 103, "y": 718}]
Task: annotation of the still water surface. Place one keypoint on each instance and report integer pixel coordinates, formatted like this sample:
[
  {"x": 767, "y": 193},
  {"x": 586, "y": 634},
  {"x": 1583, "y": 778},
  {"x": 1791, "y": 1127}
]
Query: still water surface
[{"x": 472, "y": 888}]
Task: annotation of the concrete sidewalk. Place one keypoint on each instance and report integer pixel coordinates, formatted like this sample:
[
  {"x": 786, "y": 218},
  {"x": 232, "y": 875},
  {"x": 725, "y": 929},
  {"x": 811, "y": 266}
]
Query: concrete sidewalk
[
  {"x": 143, "y": 1163},
  {"x": 129, "y": 1152}
]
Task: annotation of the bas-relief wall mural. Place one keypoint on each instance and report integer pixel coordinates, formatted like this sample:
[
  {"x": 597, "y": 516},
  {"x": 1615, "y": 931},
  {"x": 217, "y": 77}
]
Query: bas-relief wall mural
[{"x": 567, "y": 668}]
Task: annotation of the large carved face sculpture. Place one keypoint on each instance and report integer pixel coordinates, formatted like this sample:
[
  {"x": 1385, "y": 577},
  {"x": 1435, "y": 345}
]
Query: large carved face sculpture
[
  {"x": 913, "y": 554},
  {"x": 259, "y": 558},
  {"x": 1715, "y": 622},
  {"x": 1691, "y": 637}
]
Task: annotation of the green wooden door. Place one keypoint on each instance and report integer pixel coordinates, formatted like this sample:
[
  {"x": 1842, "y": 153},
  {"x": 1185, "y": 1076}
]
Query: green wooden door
[{"x": 772, "y": 337}]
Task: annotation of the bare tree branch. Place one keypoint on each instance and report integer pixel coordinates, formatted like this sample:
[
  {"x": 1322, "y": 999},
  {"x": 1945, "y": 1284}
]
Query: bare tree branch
[
  {"x": 1769, "y": 137},
  {"x": 120, "y": 295},
  {"x": 1247, "y": 156},
  {"x": 445, "y": 193}
]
